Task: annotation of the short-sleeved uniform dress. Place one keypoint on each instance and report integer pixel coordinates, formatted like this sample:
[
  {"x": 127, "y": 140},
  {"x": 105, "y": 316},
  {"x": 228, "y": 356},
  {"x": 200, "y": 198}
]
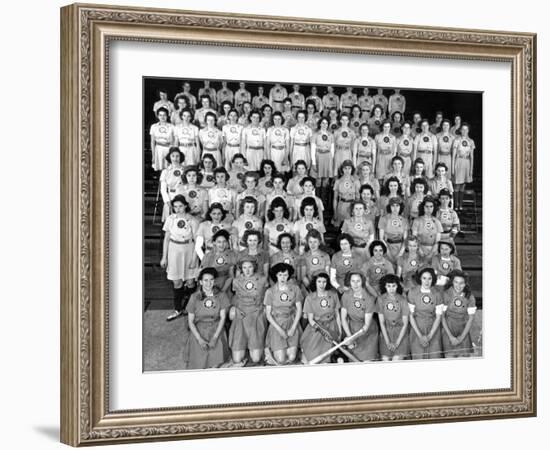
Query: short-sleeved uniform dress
[
  {"x": 222, "y": 262},
  {"x": 265, "y": 185},
  {"x": 426, "y": 228},
  {"x": 303, "y": 226},
  {"x": 186, "y": 136},
  {"x": 181, "y": 247},
  {"x": 444, "y": 149},
  {"x": 224, "y": 195},
  {"x": 279, "y": 139},
  {"x": 242, "y": 224},
  {"x": 323, "y": 140},
  {"x": 375, "y": 270},
  {"x": 405, "y": 149},
  {"x": 426, "y": 146},
  {"x": 360, "y": 230},
  {"x": 196, "y": 197},
  {"x": 253, "y": 144},
  {"x": 283, "y": 310},
  {"x": 259, "y": 258},
  {"x": 412, "y": 204},
  {"x": 344, "y": 264},
  {"x": 324, "y": 309},
  {"x": 207, "y": 229},
  {"x": 235, "y": 181},
  {"x": 163, "y": 133},
  {"x": 393, "y": 309},
  {"x": 248, "y": 328},
  {"x": 443, "y": 266},
  {"x": 346, "y": 190},
  {"x": 409, "y": 266},
  {"x": 449, "y": 222},
  {"x": 457, "y": 310},
  {"x": 170, "y": 185},
  {"x": 211, "y": 141},
  {"x": 357, "y": 305},
  {"x": 207, "y": 317},
  {"x": 394, "y": 232},
  {"x": 436, "y": 185},
  {"x": 366, "y": 149},
  {"x": 423, "y": 308},
  {"x": 291, "y": 258},
  {"x": 300, "y": 136},
  {"x": 315, "y": 263},
  {"x": 232, "y": 135},
  {"x": 464, "y": 150},
  {"x": 386, "y": 146},
  {"x": 275, "y": 228},
  {"x": 343, "y": 142}
]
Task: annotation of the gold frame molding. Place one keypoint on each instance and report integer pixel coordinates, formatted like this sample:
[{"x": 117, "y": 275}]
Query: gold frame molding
[{"x": 86, "y": 31}]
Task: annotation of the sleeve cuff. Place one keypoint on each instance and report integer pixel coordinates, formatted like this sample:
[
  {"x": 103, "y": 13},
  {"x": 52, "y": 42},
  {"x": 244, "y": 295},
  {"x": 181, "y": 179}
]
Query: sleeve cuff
[
  {"x": 412, "y": 308},
  {"x": 439, "y": 310},
  {"x": 472, "y": 310}
]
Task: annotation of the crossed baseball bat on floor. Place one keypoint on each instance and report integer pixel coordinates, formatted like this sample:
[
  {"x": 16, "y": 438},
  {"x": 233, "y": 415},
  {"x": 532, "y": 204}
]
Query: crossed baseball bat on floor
[{"x": 336, "y": 345}]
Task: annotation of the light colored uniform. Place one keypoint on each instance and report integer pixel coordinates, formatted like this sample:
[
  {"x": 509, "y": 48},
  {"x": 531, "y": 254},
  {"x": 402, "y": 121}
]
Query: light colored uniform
[
  {"x": 330, "y": 101},
  {"x": 311, "y": 121},
  {"x": 318, "y": 103},
  {"x": 346, "y": 191},
  {"x": 300, "y": 138},
  {"x": 355, "y": 123},
  {"x": 292, "y": 258},
  {"x": 436, "y": 185},
  {"x": 449, "y": 222},
  {"x": 222, "y": 262},
  {"x": 344, "y": 264},
  {"x": 276, "y": 96},
  {"x": 164, "y": 136},
  {"x": 323, "y": 150},
  {"x": 382, "y": 100},
  {"x": 424, "y": 306},
  {"x": 265, "y": 185},
  {"x": 208, "y": 229},
  {"x": 366, "y": 103},
  {"x": 464, "y": 151},
  {"x": 347, "y": 100},
  {"x": 260, "y": 198},
  {"x": 396, "y": 103},
  {"x": 343, "y": 142},
  {"x": 444, "y": 149},
  {"x": 167, "y": 104},
  {"x": 181, "y": 247},
  {"x": 196, "y": 197},
  {"x": 170, "y": 185},
  {"x": 366, "y": 149},
  {"x": 200, "y": 116},
  {"x": 405, "y": 150},
  {"x": 412, "y": 204},
  {"x": 425, "y": 147},
  {"x": 386, "y": 147},
  {"x": 232, "y": 135},
  {"x": 357, "y": 305},
  {"x": 236, "y": 181},
  {"x": 283, "y": 310},
  {"x": 243, "y": 224},
  {"x": 426, "y": 228},
  {"x": 375, "y": 270},
  {"x": 409, "y": 266},
  {"x": 253, "y": 144},
  {"x": 223, "y": 95},
  {"x": 303, "y": 226},
  {"x": 293, "y": 186},
  {"x": 226, "y": 196},
  {"x": 288, "y": 199},
  {"x": 211, "y": 140},
  {"x": 186, "y": 137},
  {"x": 298, "y": 101},
  {"x": 211, "y": 93},
  {"x": 274, "y": 229},
  {"x": 259, "y": 101},
  {"x": 457, "y": 310},
  {"x": 278, "y": 141},
  {"x": 360, "y": 230},
  {"x": 241, "y": 96},
  {"x": 394, "y": 233},
  {"x": 393, "y": 310}
]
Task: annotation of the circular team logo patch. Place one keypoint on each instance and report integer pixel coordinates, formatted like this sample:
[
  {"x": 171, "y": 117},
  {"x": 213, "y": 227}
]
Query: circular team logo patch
[
  {"x": 255, "y": 132},
  {"x": 315, "y": 261},
  {"x": 286, "y": 260},
  {"x": 377, "y": 123},
  {"x": 357, "y": 304},
  {"x": 458, "y": 302},
  {"x": 418, "y": 129},
  {"x": 356, "y": 124},
  {"x": 186, "y": 131},
  {"x": 208, "y": 303},
  {"x": 162, "y": 129},
  {"x": 249, "y": 285},
  {"x": 181, "y": 223},
  {"x": 301, "y": 131},
  {"x": 280, "y": 227},
  {"x": 386, "y": 139},
  {"x": 278, "y": 91},
  {"x": 426, "y": 299},
  {"x": 406, "y": 142},
  {"x": 248, "y": 225},
  {"x": 346, "y": 262},
  {"x": 445, "y": 138},
  {"x": 429, "y": 225},
  {"x": 220, "y": 261},
  {"x": 324, "y": 137},
  {"x": 390, "y": 306},
  {"x": 333, "y": 127},
  {"x": 347, "y": 184},
  {"x": 223, "y": 193},
  {"x": 192, "y": 194},
  {"x": 426, "y": 139},
  {"x": 309, "y": 226},
  {"x": 364, "y": 143},
  {"x": 233, "y": 129},
  {"x": 445, "y": 265},
  {"x": 414, "y": 263},
  {"x": 284, "y": 297},
  {"x": 464, "y": 143},
  {"x": 378, "y": 271},
  {"x": 395, "y": 223},
  {"x": 177, "y": 173},
  {"x": 211, "y": 134},
  {"x": 344, "y": 134},
  {"x": 209, "y": 178},
  {"x": 269, "y": 184},
  {"x": 215, "y": 229},
  {"x": 278, "y": 132},
  {"x": 445, "y": 216},
  {"x": 323, "y": 303},
  {"x": 240, "y": 176},
  {"x": 396, "y": 129},
  {"x": 358, "y": 226}
]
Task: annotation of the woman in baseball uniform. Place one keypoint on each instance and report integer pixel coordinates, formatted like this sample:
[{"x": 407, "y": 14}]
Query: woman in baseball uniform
[
  {"x": 309, "y": 221},
  {"x": 333, "y": 120},
  {"x": 242, "y": 96},
  {"x": 182, "y": 103},
  {"x": 445, "y": 141},
  {"x": 187, "y": 138},
  {"x": 397, "y": 102},
  {"x": 346, "y": 190},
  {"x": 223, "y": 119},
  {"x": 392, "y": 189},
  {"x": 277, "y": 94},
  {"x": 457, "y": 125},
  {"x": 162, "y": 138},
  {"x": 207, "y": 309},
  {"x": 396, "y": 124},
  {"x": 375, "y": 121},
  {"x": 211, "y": 139},
  {"x": 365, "y": 175},
  {"x": 364, "y": 147},
  {"x": 419, "y": 190},
  {"x": 426, "y": 307},
  {"x": 250, "y": 184},
  {"x": 222, "y": 193},
  {"x": 215, "y": 221},
  {"x": 244, "y": 118},
  {"x": 347, "y": 100},
  {"x": 267, "y": 170},
  {"x": 194, "y": 194},
  {"x": 416, "y": 128},
  {"x": 236, "y": 173},
  {"x": 463, "y": 163},
  {"x": 286, "y": 244},
  {"x": 358, "y": 308},
  {"x": 344, "y": 261},
  {"x": 312, "y": 117},
  {"x": 405, "y": 147},
  {"x": 278, "y": 191},
  {"x": 393, "y": 315},
  {"x": 221, "y": 258},
  {"x": 427, "y": 228},
  {"x": 277, "y": 224},
  {"x": 170, "y": 180},
  {"x": 163, "y": 102},
  {"x": 397, "y": 171},
  {"x": 283, "y": 310},
  {"x": 322, "y": 309},
  {"x": 267, "y": 117},
  {"x": 418, "y": 171},
  {"x": 425, "y": 147},
  {"x": 367, "y": 196},
  {"x": 386, "y": 148},
  {"x": 308, "y": 188},
  {"x": 178, "y": 252},
  {"x": 409, "y": 263},
  {"x": 378, "y": 265},
  {"x": 330, "y": 101},
  {"x": 322, "y": 154},
  {"x": 252, "y": 242},
  {"x": 360, "y": 227},
  {"x": 248, "y": 323},
  {"x": 289, "y": 118},
  {"x": 459, "y": 309},
  {"x": 207, "y": 166},
  {"x": 382, "y": 100},
  {"x": 445, "y": 262},
  {"x": 366, "y": 103},
  {"x": 225, "y": 95},
  {"x": 393, "y": 229},
  {"x": 300, "y": 171},
  {"x": 355, "y": 119},
  {"x": 260, "y": 100},
  {"x": 232, "y": 136},
  {"x": 300, "y": 140},
  {"x": 314, "y": 260},
  {"x": 278, "y": 143},
  {"x": 253, "y": 142},
  {"x": 441, "y": 180},
  {"x": 343, "y": 143},
  {"x": 247, "y": 219},
  {"x": 200, "y": 114},
  {"x": 316, "y": 100},
  {"x": 447, "y": 216}
]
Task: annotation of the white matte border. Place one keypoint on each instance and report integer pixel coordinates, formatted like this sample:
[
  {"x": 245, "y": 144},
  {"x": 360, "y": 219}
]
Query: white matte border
[{"x": 132, "y": 389}]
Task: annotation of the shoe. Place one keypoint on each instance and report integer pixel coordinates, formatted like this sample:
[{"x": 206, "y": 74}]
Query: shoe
[{"x": 174, "y": 315}]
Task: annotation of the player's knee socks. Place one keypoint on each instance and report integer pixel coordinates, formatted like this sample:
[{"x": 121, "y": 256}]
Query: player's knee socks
[{"x": 178, "y": 296}]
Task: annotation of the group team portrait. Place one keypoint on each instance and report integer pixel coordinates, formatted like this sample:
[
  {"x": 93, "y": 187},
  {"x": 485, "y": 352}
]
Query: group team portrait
[{"x": 302, "y": 224}]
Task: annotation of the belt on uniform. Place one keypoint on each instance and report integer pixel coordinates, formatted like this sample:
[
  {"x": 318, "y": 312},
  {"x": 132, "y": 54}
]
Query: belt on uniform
[
  {"x": 172, "y": 190},
  {"x": 425, "y": 151},
  {"x": 363, "y": 245},
  {"x": 322, "y": 151},
  {"x": 255, "y": 148},
  {"x": 346, "y": 200},
  {"x": 233, "y": 145},
  {"x": 278, "y": 101},
  {"x": 394, "y": 241},
  {"x": 162, "y": 144},
  {"x": 463, "y": 156},
  {"x": 278, "y": 147},
  {"x": 300, "y": 144},
  {"x": 210, "y": 149},
  {"x": 187, "y": 241},
  {"x": 188, "y": 144}
]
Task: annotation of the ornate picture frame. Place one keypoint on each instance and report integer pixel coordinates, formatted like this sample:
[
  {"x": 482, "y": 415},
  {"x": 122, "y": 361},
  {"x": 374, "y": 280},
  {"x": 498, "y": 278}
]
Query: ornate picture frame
[{"x": 86, "y": 33}]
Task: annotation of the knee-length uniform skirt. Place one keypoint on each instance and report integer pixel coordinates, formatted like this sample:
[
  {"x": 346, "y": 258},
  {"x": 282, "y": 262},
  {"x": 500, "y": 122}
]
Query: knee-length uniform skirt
[
  {"x": 274, "y": 340},
  {"x": 191, "y": 153},
  {"x": 433, "y": 350},
  {"x": 301, "y": 152},
  {"x": 462, "y": 170},
  {"x": 366, "y": 345},
  {"x": 393, "y": 329},
  {"x": 324, "y": 164},
  {"x": 456, "y": 324},
  {"x": 313, "y": 343},
  {"x": 198, "y": 358},
  {"x": 247, "y": 330}
]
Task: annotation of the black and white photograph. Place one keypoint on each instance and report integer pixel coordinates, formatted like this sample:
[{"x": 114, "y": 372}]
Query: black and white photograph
[{"x": 299, "y": 224}]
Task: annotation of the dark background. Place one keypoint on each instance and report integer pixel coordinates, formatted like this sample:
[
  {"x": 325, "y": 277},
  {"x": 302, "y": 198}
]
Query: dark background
[{"x": 427, "y": 102}]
